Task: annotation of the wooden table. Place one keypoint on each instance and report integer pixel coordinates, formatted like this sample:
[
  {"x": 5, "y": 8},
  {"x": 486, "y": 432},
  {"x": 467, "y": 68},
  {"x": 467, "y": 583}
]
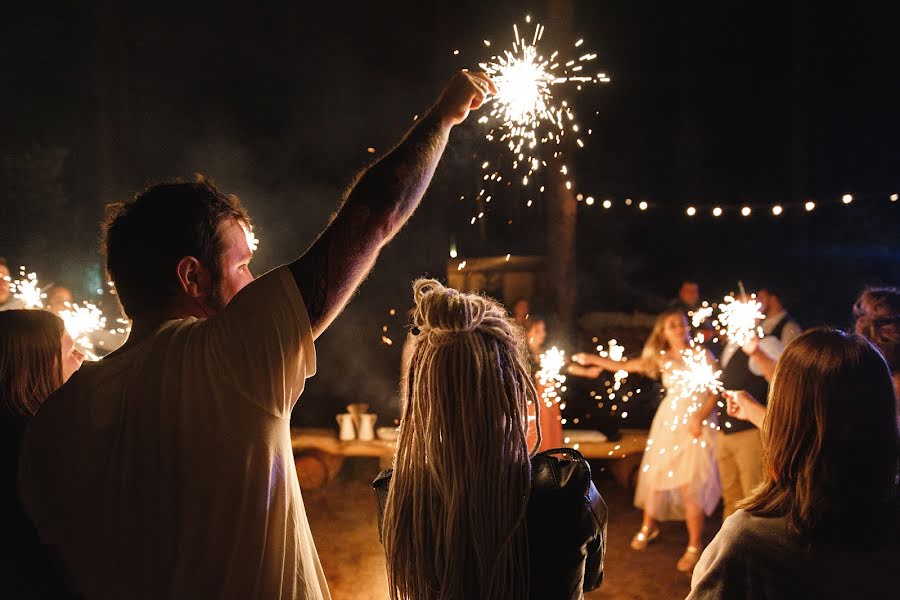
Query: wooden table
[{"x": 319, "y": 453}]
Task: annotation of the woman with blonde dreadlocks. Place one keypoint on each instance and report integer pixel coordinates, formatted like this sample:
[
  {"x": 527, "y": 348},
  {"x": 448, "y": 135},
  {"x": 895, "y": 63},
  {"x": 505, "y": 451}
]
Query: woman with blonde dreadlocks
[{"x": 469, "y": 511}]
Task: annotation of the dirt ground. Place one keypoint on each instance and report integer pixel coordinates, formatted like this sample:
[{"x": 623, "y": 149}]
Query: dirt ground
[{"x": 344, "y": 524}]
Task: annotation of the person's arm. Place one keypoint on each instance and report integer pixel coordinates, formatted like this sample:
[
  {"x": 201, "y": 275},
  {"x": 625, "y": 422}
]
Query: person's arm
[
  {"x": 764, "y": 354},
  {"x": 580, "y": 371},
  {"x": 742, "y": 405},
  {"x": 380, "y": 202},
  {"x": 634, "y": 365}
]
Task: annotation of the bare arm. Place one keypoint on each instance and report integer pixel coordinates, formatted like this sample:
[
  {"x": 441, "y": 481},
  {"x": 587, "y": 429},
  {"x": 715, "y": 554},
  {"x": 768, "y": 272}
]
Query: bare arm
[
  {"x": 380, "y": 202},
  {"x": 634, "y": 365}
]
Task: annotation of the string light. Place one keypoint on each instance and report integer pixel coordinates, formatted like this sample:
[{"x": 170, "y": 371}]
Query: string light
[
  {"x": 847, "y": 199},
  {"x": 717, "y": 211},
  {"x": 745, "y": 211},
  {"x": 691, "y": 211},
  {"x": 777, "y": 210},
  {"x": 607, "y": 204},
  {"x": 809, "y": 206},
  {"x": 643, "y": 205}
]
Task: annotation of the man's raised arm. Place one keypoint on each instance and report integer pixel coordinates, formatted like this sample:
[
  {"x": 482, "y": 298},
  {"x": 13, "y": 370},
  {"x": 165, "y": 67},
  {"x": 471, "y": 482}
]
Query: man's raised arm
[{"x": 381, "y": 200}]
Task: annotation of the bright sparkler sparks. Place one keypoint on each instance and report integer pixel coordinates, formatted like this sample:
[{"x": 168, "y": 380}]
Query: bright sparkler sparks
[
  {"x": 698, "y": 376},
  {"x": 81, "y": 321},
  {"x": 701, "y": 314},
  {"x": 739, "y": 319},
  {"x": 550, "y": 376},
  {"x": 27, "y": 290},
  {"x": 524, "y": 114}
]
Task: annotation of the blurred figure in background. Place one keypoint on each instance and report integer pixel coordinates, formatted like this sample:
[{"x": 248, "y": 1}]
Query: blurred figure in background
[
  {"x": 520, "y": 311},
  {"x": 59, "y": 298},
  {"x": 550, "y": 413},
  {"x": 36, "y": 357},
  {"x": 7, "y": 301},
  {"x": 877, "y": 314}
]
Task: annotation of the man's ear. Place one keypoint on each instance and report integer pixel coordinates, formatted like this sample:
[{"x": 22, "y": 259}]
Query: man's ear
[{"x": 190, "y": 273}]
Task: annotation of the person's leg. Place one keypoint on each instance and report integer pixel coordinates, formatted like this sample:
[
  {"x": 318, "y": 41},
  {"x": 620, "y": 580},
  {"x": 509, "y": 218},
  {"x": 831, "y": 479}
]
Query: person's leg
[
  {"x": 729, "y": 475},
  {"x": 693, "y": 516},
  {"x": 748, "y": 453}
]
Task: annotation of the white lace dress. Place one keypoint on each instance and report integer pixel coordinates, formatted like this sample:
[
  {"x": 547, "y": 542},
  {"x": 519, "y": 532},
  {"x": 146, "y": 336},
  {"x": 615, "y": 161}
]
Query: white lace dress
[{"x": 674, "y": 459}]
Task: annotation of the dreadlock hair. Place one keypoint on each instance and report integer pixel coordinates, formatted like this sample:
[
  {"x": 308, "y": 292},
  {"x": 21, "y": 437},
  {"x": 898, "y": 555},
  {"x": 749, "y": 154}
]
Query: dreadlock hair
[{"x": 454, "y": 522}]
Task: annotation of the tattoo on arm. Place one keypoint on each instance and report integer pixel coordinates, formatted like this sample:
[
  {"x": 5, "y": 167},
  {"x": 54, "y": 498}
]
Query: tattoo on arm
[{"x": 380, "y": 202}]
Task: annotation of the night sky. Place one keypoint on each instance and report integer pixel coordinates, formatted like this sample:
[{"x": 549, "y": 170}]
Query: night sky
[{"x": 718, "y": 103}]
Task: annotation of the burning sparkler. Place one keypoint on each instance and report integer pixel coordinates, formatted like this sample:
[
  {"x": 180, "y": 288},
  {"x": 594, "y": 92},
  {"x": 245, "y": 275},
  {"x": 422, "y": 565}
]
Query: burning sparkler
[
  {"x": 81, "y": 321},
  {"x": 27, "y": 290},
  {"x": 524, "y": 114},
  {"x": 701, "y": 314},
  {"x": 697, "y": 376},
  {"x": 550, "y": 376},
  {"x": 739, "y": 319}
]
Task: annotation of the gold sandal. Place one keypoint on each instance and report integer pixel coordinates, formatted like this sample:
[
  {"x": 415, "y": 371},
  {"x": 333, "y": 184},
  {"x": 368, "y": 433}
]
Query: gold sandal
[
  {"x": 644, "y": 537},
  {"x": 689, "y": 559}
]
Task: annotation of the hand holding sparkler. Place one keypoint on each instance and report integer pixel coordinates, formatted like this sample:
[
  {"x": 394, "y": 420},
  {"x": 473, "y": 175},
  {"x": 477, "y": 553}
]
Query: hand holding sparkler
[
  {"x": 741, "y": 405},
  {"x": 466, "y": 91}
]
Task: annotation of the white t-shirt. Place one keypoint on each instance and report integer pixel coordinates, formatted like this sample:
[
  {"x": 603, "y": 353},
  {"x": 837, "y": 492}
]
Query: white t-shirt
[{"x": 166, "y": 470}]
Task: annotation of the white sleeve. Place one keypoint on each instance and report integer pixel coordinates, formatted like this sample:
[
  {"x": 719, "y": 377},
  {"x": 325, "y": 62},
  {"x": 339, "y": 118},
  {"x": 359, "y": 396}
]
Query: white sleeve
[
  {"x": 772, "y": 347},
  {"x": 790, "y": 332},
  {"x": 262, "y": 342}
]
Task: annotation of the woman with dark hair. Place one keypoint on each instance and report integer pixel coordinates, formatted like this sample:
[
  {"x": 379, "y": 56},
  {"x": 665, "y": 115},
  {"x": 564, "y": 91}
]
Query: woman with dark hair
[
  {"x": 823, "y": 524},
  {"x": 469, "y": 510},
  {"x": 36, "y": 357}
]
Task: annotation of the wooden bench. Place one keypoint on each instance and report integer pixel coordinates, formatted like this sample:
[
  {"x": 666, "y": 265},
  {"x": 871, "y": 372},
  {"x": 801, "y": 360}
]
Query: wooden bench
[{"x": 319, "y": 454}]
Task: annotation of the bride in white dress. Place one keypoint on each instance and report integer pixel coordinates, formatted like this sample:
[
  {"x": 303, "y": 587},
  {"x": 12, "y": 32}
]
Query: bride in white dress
[{"x": 678, "y": 479}]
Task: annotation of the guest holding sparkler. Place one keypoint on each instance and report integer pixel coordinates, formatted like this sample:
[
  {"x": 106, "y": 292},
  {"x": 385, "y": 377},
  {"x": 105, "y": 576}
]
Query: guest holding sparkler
[
  {"x": 678, "y": 479},
  {"x": 877, "y": 318},
  {"x": 166, "y": 470},
  {"x": 59, "y": 298},
  {"x": 36, "y": 357},
  {"x": 778, "y": 325},
  {"x": 550, "y": 413},
  {"x": 469, "y": 510},
  {"x": 746, "y": 360},
  {"x": 823, "y": 524}
]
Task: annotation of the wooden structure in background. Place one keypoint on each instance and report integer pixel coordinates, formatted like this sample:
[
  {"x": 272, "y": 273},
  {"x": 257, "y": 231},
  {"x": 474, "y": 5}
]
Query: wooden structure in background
[{"x": 499, "y": 278}]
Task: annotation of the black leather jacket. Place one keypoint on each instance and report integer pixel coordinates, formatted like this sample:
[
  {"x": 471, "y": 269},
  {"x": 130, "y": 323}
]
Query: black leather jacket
[{"x": 566, "y": 523}]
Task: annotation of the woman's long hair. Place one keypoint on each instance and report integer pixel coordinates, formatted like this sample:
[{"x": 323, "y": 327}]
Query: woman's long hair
[
  {"x": 656, "y": 343},
  {"x": 30, "y": 360},
  {"x": 830, "y": 439},
  {"x": 454, "y": 522}
]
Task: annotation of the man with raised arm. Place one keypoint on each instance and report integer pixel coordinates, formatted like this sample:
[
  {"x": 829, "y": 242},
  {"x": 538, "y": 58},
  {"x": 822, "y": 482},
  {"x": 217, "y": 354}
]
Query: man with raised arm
[{"x": 166, "y": 470}]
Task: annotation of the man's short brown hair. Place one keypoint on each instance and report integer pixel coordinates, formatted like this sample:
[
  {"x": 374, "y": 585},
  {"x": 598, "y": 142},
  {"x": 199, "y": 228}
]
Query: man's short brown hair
[{"x": 143, "y": 239}]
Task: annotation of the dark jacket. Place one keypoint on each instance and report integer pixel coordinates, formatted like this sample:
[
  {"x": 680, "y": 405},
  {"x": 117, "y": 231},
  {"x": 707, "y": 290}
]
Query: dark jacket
[{"x": 566, "y": 524}]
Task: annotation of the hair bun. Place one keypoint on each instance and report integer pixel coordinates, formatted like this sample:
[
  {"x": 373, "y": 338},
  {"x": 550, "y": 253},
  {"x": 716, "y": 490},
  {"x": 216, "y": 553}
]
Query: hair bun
[{"x": 445, "y": 310}]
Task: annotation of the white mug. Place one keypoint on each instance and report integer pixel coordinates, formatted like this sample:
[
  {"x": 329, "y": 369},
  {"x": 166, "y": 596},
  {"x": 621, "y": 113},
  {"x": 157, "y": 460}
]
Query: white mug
[
  {"x": 347, "y": 430},
  {"x": 367, "y": 427}
]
